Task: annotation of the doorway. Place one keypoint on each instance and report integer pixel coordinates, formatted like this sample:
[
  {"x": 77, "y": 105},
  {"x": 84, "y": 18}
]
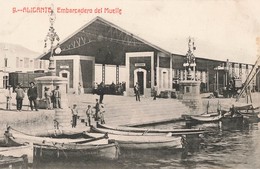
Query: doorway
[
  {"x": 140, "y": 77},
  {"x": 65, "y": 74},
  {"x": 164, "y": 79},
  {"x": 140, "y": 80}
]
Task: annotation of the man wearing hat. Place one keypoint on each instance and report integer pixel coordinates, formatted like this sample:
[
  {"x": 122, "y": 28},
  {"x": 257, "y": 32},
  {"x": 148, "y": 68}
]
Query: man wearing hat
[{"x": 32, "y": 96}]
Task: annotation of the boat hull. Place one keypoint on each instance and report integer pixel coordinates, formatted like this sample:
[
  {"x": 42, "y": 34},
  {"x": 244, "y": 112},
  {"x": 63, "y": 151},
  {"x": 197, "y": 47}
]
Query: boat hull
[
  {"x": 68, "y": 148},
  {"x": 144, "y": 142},
  {"x": 7, "y": 162},
  {"x": 18, "y": 151},
  {"x": 232, "y": 123},
  {"x": 205, "y": 119},
  {"x": 107, "y": 151},
  {"x": 160, "y": 131}
]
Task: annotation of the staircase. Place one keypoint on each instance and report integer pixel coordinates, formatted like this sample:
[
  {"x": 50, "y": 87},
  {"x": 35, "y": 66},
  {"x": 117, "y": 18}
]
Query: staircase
[{"x": 122, "y": 110}]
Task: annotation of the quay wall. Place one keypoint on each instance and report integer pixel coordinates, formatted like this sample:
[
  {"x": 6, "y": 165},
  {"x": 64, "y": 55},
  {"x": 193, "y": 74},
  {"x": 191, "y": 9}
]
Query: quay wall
[{"x": 27, "y": 121}]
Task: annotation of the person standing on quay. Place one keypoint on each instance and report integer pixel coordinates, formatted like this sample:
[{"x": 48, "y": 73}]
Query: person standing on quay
[
  {"x": 102, "y": 114},
  {"x": 32, "y": 96},
  {"x": 74, "y": 112},
  {"x": 137, "y": 92},
  {"x": 19, "y": 97},
  {"x": 155, "y": 88},
  {"x": 8, "y": 96},
  {"x": 89, "y": 115},
  {"x": 47, "y": 95},
  {"x": 57, "y": 96},
  {"x": 79, "y": 89},
  {"x": 101, "y": 92},
  {"x": 97, "y": 110}
]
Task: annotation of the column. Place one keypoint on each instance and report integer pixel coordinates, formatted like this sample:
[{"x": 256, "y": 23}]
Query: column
[{"x": 103, "y": 73}]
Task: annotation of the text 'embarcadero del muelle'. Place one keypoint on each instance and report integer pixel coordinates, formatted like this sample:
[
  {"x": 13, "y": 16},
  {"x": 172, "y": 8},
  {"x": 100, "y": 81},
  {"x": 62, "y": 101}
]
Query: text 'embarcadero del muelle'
[{"x": 68, "y": 10}]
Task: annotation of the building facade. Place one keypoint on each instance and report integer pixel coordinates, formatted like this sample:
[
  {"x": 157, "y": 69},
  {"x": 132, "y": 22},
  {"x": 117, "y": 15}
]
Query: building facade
[
  {"x": 15, "y": 58},
  {"x": 119, "y": 56}
]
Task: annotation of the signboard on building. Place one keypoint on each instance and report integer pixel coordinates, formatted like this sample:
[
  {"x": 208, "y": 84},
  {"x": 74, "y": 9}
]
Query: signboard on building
[
  {"x": 64, "y": 66},
  {"x": 139, "y": 64}
]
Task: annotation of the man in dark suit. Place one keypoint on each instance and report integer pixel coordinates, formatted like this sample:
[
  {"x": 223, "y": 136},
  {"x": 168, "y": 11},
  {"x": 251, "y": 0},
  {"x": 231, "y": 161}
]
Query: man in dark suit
[
  {"x": 32, "y": 96},
  {"x": 137, "y": 92}
]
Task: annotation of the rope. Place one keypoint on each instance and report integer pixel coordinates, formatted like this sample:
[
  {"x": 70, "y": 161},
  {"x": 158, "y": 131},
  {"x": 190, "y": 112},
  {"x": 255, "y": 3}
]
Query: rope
[{"x": 9, "y": 127}]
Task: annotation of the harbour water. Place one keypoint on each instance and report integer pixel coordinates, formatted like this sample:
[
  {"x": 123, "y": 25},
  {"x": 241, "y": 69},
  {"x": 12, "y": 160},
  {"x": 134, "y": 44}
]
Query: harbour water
[{"x": 229, "y": 148}]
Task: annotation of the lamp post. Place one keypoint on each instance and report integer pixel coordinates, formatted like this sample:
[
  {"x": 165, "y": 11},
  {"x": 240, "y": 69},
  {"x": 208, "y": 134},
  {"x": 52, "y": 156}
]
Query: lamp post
[
  {"x": 52, "y": 36},
  {"x": 190, "y": 61}
]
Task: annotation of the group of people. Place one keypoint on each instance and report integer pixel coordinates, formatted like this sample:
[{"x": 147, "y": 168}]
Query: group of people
[
  {"x": 97, "y": 112},
  {"x": 52, "y": 97},
  {"x": 32, "y": 93},
  {"x": 32, "y": 96}
]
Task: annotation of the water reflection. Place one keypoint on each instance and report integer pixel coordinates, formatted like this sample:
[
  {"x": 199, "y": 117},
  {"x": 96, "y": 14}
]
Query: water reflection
[{"x": 221, "y": 148}]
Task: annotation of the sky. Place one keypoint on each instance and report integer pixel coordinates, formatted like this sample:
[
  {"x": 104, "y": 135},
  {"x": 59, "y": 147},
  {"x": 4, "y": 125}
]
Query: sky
[{"x": 221, "y": 29}]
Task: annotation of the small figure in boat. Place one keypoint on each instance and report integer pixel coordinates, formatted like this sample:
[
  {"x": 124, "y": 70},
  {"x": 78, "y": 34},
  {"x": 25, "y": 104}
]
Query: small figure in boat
[
  {"x": 74, "y": 112},
  {"x": 232, "y": 111}
]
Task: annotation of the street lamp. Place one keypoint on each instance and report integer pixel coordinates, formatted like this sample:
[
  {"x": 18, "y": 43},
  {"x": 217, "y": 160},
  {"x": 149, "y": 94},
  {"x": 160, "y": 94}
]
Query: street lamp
[
  {"x": 190, "y": 61},
  {"x": 52, "y": 36}
]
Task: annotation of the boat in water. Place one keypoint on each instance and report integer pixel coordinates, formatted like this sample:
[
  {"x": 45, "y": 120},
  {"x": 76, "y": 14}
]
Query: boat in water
[
  {"x": 18, "y": 154},
  {"x": 59, "y": 148},
  {"x": 174, "y": 132},
  {"x": 11, "y": 162},
  {"x": 206, "y": 118},
  {"x": 143, "y": 141}
]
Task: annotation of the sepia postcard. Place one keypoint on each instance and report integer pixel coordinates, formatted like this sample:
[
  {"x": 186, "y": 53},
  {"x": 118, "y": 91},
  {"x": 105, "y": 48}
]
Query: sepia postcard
[{"x": 129, "y": 84}]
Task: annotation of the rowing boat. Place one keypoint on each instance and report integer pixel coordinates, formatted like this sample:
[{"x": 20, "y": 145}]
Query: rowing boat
[
  {"x": 44, "y": 147},
  {"x": 75, "y": 151},
  {"x": 7, "y": 162},
  {"x": 117, "y": 132},
  {"x": 18, "y": 151},
  {"x": 206, "y": 118},
  {"x": 160, "y": 131},
  {"x": 143, "y": 141},
  {"x": 15, "y": 137}
]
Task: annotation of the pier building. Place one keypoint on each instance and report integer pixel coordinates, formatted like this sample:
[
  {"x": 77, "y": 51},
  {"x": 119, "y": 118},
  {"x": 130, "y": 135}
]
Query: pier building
[{"x": 101, "y": 51}]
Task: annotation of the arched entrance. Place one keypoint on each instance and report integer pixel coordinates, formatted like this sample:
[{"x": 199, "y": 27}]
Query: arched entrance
[{"x": 140, "y": 77}]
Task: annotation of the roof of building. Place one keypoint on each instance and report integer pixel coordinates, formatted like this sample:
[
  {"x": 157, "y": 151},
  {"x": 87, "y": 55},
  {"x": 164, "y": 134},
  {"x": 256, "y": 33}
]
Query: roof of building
[
  {"x": 104, "y": 40},
  {"x": 108, "y": 43}
]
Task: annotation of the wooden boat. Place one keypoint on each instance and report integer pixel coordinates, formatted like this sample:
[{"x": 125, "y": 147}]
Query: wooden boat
[
  {"x": 117, "y": 132},
  {"x": 206, "y": 118},
  {"x": 143, "y": 142},
  {"x": 144, "y": 130},
  {"x": 74, "y": 151},
  {"x": 19, "y": 138},
  {"x": 65, "y": 132},
  {"x": 234, "y": 122},
  {"x": 7, "y": 162},
  {"x": 44, "y": 147},
  {"x": 249, "y": 113},
  {"x": 18, "y": 152},
  {"x": 124, "y": 133}
]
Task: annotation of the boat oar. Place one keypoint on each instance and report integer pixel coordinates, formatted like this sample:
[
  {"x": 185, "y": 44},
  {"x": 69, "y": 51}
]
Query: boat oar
[
  {"x": 146, "y": 131},
  {"x": 208, "y": 107},
  {"x": 92, "y": 139}
]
